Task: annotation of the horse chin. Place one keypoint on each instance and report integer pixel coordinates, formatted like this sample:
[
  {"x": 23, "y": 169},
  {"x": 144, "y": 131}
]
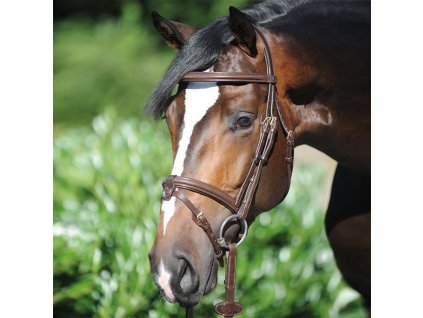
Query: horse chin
[{"x": 189, "y": 301}]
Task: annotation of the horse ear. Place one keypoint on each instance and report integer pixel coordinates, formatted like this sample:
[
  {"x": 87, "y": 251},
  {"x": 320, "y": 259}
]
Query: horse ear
[
  {"x": 174, "y": 33},
  {"x": 243, "y": 31}
]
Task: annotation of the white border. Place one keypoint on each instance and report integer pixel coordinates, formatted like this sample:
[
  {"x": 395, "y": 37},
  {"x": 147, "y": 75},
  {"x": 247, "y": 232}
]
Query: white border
[
  {"x": 26, "y": 265},
  {"x": 397, "y": 225}
]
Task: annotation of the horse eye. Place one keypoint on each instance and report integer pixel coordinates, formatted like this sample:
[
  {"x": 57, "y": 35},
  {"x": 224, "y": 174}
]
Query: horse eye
[{"x": 244, "y": 122}]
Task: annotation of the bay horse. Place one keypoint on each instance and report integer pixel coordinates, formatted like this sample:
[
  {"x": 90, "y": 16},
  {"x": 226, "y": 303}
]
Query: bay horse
[{"x": 281, "y": 70}]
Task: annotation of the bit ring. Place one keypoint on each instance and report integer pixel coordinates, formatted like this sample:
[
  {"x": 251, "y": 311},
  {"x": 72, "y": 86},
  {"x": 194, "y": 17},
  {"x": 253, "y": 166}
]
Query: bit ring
[{"x": 243, "y": 225}]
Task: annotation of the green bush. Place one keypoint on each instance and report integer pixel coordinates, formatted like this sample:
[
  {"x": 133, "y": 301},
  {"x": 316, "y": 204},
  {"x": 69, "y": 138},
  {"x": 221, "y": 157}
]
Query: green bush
[
  {"x": 107, "y": 188},
  {"x": 111, "y": 64}
]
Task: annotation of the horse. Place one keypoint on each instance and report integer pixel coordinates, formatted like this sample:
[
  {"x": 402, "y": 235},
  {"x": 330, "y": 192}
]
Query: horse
[{"x": 249, "y": 85}]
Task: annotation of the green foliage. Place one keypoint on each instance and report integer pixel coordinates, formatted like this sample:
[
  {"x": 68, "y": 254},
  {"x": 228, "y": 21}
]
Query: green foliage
[
  {"x": 105, "y": 216},
  {"x": 112, "y": 64},
  {"x": 106, "y": 202}
]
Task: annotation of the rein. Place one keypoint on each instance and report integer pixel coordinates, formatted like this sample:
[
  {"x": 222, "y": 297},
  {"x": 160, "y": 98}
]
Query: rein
[{"x": 240, "y": 205}]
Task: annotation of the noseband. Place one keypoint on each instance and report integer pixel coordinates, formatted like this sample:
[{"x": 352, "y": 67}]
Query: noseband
[{"x": 240, "y": 205}]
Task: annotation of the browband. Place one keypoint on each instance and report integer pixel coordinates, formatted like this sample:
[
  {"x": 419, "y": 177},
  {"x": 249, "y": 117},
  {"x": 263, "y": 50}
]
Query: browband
[{"x": 229, "y": 77}]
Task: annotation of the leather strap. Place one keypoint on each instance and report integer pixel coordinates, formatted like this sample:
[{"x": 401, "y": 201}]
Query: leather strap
[
  {"x": 170, "y": 189},
  {"x": 202, "y": 188},
  {"x": 229, "y": 77},
  {"x": 229, "y": 307},
  {"x": 189, "y": 313},
  {"x": 202, "y": 222}
]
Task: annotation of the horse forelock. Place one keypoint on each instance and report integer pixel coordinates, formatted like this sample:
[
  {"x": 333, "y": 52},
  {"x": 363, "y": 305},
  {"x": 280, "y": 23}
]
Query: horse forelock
[{"x": 198, "y": 54}]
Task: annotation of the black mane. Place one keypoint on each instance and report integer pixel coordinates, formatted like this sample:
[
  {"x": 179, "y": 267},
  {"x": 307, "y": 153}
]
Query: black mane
[{"x": 203, "y": 48}]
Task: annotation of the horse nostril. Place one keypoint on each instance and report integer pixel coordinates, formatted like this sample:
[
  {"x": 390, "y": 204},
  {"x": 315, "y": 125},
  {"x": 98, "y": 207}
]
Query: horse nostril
[{"x": 188, "y": 277}]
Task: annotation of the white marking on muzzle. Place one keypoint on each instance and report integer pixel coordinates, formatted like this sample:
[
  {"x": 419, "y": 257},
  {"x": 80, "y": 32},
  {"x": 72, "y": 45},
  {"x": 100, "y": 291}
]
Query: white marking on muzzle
[
  {"x": 164, "y": 282},
  {"x": 199, "y": 97}
]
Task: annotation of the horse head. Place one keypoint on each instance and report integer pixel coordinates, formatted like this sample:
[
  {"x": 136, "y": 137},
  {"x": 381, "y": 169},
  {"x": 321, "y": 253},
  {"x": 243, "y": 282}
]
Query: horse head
[{"x": 215, "y": 130}]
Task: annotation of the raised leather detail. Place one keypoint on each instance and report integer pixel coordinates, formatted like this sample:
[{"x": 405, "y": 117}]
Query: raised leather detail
[{"x": 229, "y": 77}]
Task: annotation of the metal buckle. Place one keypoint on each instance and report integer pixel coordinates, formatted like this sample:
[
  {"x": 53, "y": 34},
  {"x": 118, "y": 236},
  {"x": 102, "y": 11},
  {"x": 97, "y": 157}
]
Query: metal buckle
[
  {"x": 266, "y": 120},
  {"x": 290, "y": 137},
  {"x": 270, "y": 120}
]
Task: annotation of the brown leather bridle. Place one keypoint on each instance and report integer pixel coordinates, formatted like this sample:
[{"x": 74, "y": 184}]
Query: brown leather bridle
[{"x": 240, "y": 205}]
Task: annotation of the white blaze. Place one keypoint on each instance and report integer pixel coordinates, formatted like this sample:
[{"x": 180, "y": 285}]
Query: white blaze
[
  {"x": 164, "y": 282},
  {"x": 199, "y": 97}
]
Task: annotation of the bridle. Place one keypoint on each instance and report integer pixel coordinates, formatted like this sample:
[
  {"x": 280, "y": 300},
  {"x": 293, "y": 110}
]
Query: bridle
[{"x": 240, "y": 205}]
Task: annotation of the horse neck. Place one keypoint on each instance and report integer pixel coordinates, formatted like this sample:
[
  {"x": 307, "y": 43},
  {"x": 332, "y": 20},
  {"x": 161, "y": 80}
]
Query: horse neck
[{"x": 326, "y": 98}]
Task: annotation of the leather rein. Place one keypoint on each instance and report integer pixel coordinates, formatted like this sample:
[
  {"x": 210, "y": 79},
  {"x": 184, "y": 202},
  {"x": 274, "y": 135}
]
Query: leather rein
[{"x": 240, "y": 205}]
